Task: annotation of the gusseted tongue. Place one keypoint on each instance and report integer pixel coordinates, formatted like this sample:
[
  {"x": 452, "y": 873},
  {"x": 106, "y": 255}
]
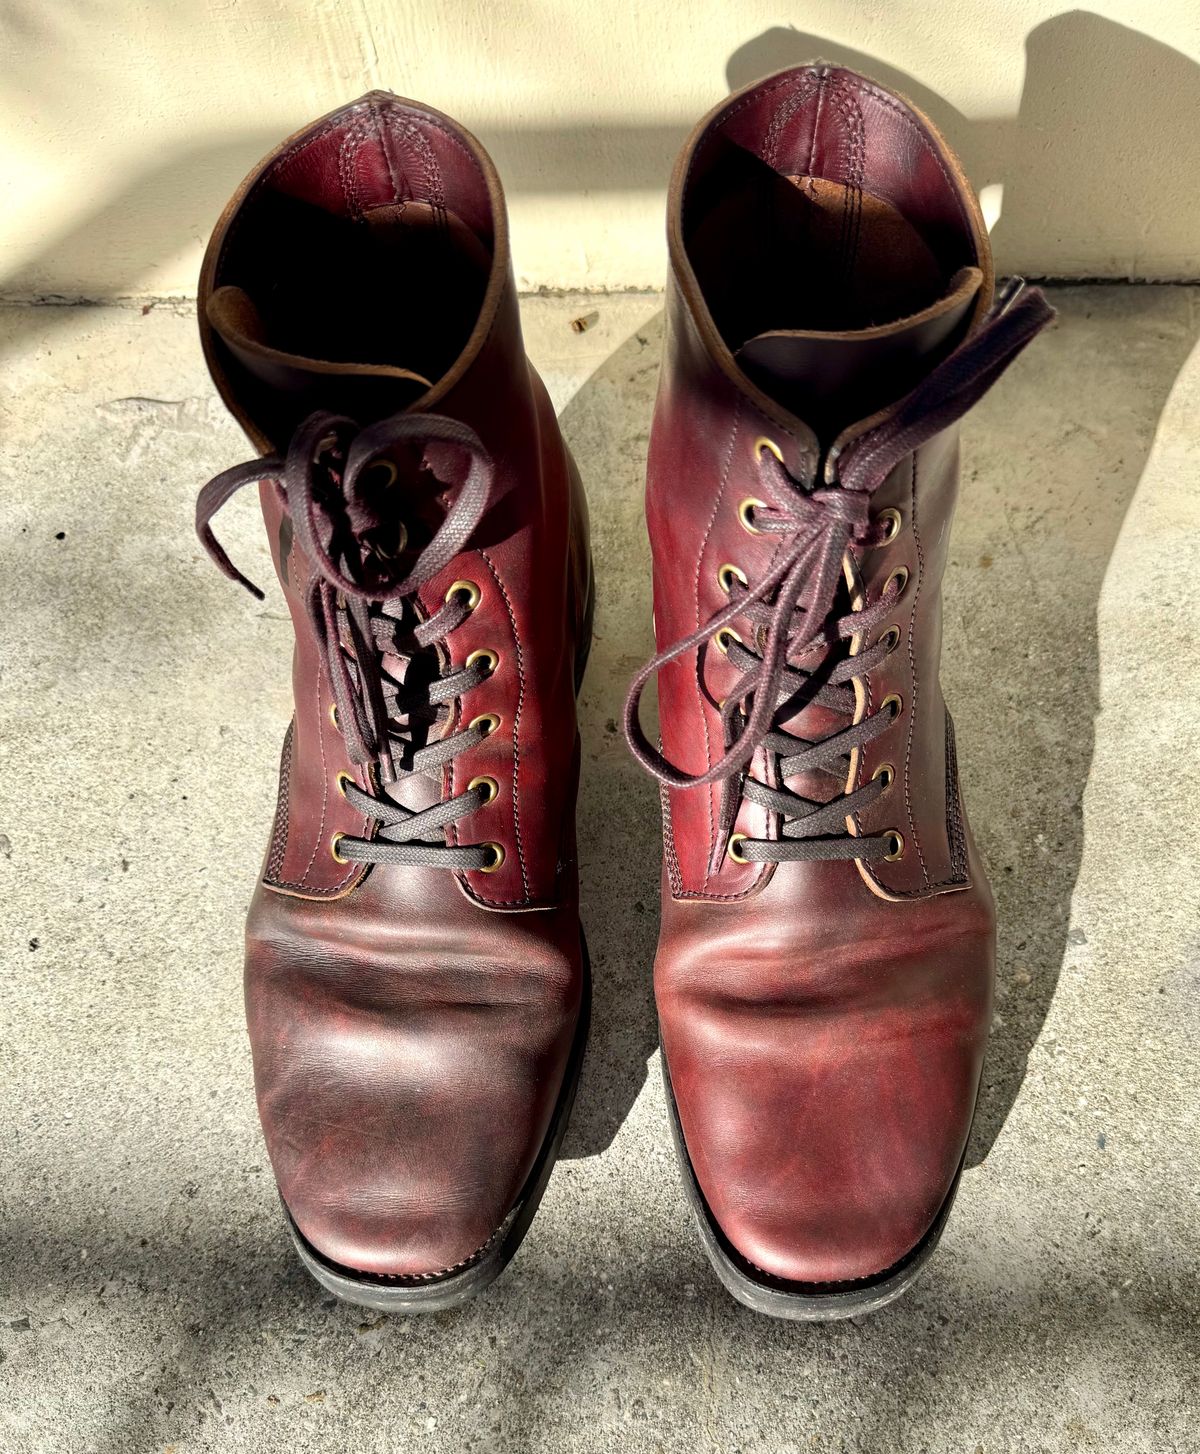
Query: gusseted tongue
[
  {"x": 361, "y": 390},
  {"x": 833, "y": 379}
]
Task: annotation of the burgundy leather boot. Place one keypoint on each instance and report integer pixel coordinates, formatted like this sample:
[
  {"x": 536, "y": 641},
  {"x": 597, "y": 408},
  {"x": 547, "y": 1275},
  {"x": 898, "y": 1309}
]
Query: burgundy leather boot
[
  {"x": 416, "y": 982},
  {"x": 824, "y": 972}
]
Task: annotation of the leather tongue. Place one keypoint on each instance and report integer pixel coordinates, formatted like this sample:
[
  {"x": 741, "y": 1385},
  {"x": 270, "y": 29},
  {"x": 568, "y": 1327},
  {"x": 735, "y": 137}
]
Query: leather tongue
[
  {"x": 833, "y": 379},
  {"x": 360, "y": 390}
]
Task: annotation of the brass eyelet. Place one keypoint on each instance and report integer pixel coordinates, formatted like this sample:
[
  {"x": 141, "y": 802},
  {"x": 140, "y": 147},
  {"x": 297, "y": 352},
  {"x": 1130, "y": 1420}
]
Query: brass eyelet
[
  {"x": 890, "y": 638},
  {"x": 746, "y": 513},
  {"x": 487, "y": 722},
  {"x": 491, "y": 657},
  {"x": 727, "y": 574},
  {"x": 895, "y": 845},
  {"x": 723, "y": 637},
  {"x": 468, "y": 589},
  {"x": 734, "y": 848},
  {"x": 762, "y": 442},
  {"x": 387, "y": 468},
  {"x": 342, "y": 779},
  {"x": 892, "y": 521},
  {"x": 489, "y": 784},
  {"x": 333, "y": 717},
  {"x": 333, "y": 848},
  {"x": 900, "y": 575},
  {"x": 895, "y": 702},
  {"x": 887, "y": 772},
  {"x": 497, "y": 852}
]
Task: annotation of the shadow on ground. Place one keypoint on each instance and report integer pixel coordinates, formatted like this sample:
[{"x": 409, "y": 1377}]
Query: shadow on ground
[
  {"x": 248, "y": 1347},
  {"x": 606, "y": 426}
]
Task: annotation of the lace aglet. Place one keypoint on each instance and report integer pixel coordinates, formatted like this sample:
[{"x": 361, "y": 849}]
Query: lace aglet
[{"x": 386, "y": 767}]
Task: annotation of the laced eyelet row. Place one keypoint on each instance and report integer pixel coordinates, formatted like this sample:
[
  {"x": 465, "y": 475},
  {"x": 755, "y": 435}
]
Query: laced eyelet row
[{"x": 486, "y": 723}]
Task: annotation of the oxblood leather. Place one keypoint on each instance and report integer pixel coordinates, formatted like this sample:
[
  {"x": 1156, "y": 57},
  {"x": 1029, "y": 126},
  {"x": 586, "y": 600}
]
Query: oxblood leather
[
  {"x": 410, "y": 1026},
  {"x": 823, "y": 1022}
]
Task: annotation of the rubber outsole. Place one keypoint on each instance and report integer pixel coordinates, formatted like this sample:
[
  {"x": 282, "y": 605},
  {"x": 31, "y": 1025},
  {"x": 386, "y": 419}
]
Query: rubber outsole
[{"x": 799, "y": 1302}]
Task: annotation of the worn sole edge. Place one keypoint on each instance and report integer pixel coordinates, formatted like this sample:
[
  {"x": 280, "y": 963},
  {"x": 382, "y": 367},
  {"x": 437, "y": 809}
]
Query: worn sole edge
[
  {"x": 451, "y": 1289},
  {"x": 799, "y": 1302}
]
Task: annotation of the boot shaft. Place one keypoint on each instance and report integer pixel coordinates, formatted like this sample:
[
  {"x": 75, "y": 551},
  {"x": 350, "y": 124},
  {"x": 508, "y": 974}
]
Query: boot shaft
[{"x": 363, "y": 269}]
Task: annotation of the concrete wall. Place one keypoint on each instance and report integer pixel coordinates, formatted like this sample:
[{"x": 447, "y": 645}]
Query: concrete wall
[{"x": 124, "y": 124}]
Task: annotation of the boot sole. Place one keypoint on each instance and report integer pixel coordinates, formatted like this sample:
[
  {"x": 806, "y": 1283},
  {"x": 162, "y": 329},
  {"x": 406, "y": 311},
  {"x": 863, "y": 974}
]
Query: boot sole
[
  {"x": 441, "y": 1291},
  {"x": 798, "y": 1301}
]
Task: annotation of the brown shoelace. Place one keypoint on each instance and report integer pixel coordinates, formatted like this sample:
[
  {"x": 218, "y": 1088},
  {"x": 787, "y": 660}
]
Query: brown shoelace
[
  {"x": 818, "y": 521},
  {"x": 340, "y": 487}
]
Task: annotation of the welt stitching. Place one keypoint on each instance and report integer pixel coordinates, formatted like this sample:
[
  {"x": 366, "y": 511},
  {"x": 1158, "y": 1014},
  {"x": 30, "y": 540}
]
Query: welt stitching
[
  {"x": 516, "y": 734},
  {"x": 406, "y": 1278},
  {"x": 912, "y": 667}
]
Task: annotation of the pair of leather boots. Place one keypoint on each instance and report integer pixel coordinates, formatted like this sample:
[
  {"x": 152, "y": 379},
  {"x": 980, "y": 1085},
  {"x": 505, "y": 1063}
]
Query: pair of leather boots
[{"x": 417, "y": 982}]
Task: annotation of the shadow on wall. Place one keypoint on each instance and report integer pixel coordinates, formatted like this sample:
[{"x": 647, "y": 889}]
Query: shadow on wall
[{"x": 1086, "y": 80}]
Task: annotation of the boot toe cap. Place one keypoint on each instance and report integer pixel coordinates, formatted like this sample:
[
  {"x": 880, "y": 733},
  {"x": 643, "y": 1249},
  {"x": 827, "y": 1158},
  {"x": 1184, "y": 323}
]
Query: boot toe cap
[
  {"x": 824, "y": 1144},
  {"x": 402, "y": 1125}
]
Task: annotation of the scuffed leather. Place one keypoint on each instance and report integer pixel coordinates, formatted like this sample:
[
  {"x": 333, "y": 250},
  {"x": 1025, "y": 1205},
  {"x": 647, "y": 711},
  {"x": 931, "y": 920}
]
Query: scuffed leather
[
  {"x": 823, "y": 1023},
  {"x": 411, "y": 1026}
]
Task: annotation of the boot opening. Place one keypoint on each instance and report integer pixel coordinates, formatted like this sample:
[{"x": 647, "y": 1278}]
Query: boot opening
[
  {"x": 353, "y": 273},
  {"x": 820, "y": 204}
]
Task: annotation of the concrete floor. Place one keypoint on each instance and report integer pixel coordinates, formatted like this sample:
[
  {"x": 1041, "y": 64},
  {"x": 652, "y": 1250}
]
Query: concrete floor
[{"x": 148, "y": 1297}]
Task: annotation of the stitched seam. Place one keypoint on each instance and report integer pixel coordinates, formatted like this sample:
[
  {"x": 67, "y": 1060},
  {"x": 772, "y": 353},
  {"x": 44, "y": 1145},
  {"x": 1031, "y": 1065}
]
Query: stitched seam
[
  {"x": 958, "y": 875},
  {"x": 324, "y": 780},
  {"x": 852, "y": 118},
  {"x": 673, "y": 870},
  {"x": 708, "y": 529},
  {"x": 954, "y": 821},
  {"x": 303, "y": 144},
  {"x": 354, "y": 867},
  {"x": 912, "y": 668},
  {"x": 381, "y": 134},
  {"x": 279, "y": 834},
  {"x": 927, "y": 146},
  {"x": 784, "y": 113},
  {"x": 720, "y": 121},
  {"x": 357, "y": 133},
  {"x": 516, "y": 735}
]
